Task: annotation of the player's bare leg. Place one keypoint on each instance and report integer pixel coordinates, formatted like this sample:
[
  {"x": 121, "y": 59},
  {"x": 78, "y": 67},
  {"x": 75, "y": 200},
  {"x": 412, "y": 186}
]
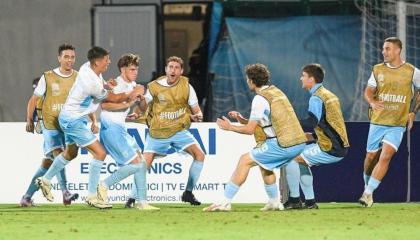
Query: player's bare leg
[
  {"x": 238, "y": 178},
  {"x": 378, "y": 173}
]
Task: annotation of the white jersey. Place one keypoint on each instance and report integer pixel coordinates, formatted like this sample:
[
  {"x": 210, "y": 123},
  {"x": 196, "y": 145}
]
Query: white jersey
[
  {"x": 118, "y": 116},
  {"x": 415, "y": 80},
  {"x": 260, "y": 112},
  {"x": 41, "y": 88},
  {"x": 192, "y": 98},
  {"x": 85, "y": 95}
]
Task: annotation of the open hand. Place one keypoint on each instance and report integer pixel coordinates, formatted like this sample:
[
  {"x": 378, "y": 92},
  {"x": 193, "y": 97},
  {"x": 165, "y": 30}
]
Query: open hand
[
  {"x": 223, "y": 123},
  {"x": 377, "y": 105}
]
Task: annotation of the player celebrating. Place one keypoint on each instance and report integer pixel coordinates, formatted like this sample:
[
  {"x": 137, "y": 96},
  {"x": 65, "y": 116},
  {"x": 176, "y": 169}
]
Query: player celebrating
[
  {"x": 325, "y": 116},
  {"x": 284, "y": 137},
  {"x": 84, "y": 98},
  {"x": 389, "y": 94},
  {"x": 49, "y": 95},
  {"x": 172, "y": 104},
  {"x": 119, "y": 144}
]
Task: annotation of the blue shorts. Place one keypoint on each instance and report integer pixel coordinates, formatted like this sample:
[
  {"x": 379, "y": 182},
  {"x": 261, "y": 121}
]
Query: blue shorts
[
  {"x": 53, "y": 139},
  {"x": 379, "y": 134},
  {"x": 120, "y": 145},
  {"x": 180, "y": 141},
  {"x": 270, "y": 155},
  {"x": 76, "y": 131},
  {"x": 313, "y": 156}
]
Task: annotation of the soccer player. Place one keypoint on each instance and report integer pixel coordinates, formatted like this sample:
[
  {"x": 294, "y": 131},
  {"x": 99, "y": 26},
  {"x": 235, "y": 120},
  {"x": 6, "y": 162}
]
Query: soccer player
[
  {"x": 283, "y": 137},
  {"x": 389, "y": 93},
  {"x": 50, "y": 93},
  {"x": 119, "y": 144},
  {"x": 325, "y": 116},
  {"x": 172, "y": 104},
  {"x": 84, "y": 98}
]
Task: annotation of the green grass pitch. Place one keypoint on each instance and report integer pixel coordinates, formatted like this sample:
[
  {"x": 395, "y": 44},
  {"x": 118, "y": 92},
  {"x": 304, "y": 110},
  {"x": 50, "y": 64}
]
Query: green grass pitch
[{"x": 181, "y": 221}]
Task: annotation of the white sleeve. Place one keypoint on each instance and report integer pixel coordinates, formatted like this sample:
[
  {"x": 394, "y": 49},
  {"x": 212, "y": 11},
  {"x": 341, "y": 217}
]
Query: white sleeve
[
  {"x": 148, "y": 96},
  {"x": 416, "y": 78},
  {"x": 97, "y": 90},
  {"x": 259, "y": 105},
  {"x": 192, "y": 98},
  {"x": 41, "y": 88},
  {"x": 372, "y": 81}
]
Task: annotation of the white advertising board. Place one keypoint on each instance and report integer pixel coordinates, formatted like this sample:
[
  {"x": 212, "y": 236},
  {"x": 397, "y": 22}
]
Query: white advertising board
[{"x": 21, "y": 155}]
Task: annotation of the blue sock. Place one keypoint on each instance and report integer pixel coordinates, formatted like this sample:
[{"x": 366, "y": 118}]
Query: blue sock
[
  {"x": 141, "y": 183},
  {"x": 58, "y": 164},
  {"x": 293, "y": 176},
  {"x": 122, "y": 173},
  {"x": 272, "y": 191},
  {"x": 372, "y": 185},
  {"x": 230, "y": 190},
  {"x": 94, "y": 175},
  {"x": 194, "y": 174},
  {"x": 306, "y": 182},
  {"x": 62, "y": 179},
  {"x": 366, "y": 178},
  {"x": 133, "y": 192},
  {"x": 32, "y": 186}
]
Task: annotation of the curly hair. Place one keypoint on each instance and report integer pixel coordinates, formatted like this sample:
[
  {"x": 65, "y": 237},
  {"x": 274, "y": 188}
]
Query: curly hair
[
  {"x": 127, "y": 60},
  {"x": 258, "y": 73}
]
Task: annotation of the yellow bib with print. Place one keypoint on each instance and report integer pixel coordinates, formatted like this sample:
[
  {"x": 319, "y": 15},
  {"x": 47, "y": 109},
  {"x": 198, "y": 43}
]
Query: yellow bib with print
[{"x": 168, "y": 112}]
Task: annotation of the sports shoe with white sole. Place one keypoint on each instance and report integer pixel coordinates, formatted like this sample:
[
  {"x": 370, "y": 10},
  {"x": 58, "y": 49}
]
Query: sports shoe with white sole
[
  {"x": 97, "y": 203},
  {"x": 366, "y": 200},
  {"x": 102, "y": 192},
  {"x": 218, "y": 207},
  {"x": 272, "y": 206},
  {"x": 146, "y": 207},
  {"x": 45, "y": 187}
]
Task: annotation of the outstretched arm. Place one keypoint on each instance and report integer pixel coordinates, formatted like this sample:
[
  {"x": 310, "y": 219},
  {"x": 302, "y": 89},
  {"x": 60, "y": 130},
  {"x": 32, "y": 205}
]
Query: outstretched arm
[
  {"x": 124, "y": 97},
  {"x": 248, "y": 128},
  {"x": 238, "y": 116}
]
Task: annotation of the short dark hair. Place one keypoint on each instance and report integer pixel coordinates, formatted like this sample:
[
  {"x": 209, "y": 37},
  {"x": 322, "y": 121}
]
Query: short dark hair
[
  {"x": 95, "y": 53},
  {"x": 175, "y": 59},
  {"x": 127, "y": 60},
  {"x": 395, "y": 41},
  {"x": 316, "y": 71},
  {"x": 258, "y": 73},
  {"x": 65, "y": 46}
]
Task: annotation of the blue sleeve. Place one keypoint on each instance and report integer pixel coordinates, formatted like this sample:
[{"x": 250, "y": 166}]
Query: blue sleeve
[{"x": 315, "y": 107}]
